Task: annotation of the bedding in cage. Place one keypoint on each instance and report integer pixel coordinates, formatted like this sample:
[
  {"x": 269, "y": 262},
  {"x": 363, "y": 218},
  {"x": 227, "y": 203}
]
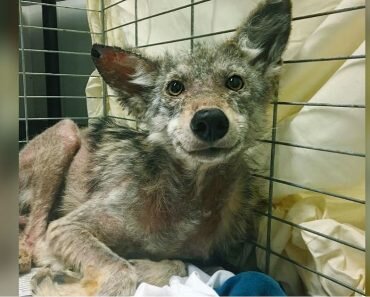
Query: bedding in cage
[{"x": 313, "y": 240}]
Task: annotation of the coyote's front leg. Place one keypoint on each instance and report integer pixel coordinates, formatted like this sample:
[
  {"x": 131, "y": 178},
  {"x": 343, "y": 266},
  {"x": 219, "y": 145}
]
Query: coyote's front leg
[
  {"x": 81, "y": 241},
  {"x": 158, "y": 273},
  {"x": 47, "y": 282},
  {"x": 42, "y": 167}
]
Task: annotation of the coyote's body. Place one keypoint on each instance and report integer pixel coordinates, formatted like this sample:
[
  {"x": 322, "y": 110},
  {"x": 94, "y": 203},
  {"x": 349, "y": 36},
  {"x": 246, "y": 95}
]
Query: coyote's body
[
  {"x": 162, "y": 208},
  {"x": 182, "y": 189}
]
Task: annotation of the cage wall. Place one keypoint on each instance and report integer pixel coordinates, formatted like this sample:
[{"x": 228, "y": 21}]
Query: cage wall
[{"x": 316, "y": 145}]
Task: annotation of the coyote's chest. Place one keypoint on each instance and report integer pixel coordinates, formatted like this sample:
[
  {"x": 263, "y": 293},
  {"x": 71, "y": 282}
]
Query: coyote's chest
[{"x": 188, "y": 225}]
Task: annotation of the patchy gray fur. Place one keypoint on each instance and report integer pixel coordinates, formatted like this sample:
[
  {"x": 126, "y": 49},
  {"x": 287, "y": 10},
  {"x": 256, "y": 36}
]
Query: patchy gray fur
[{"x": 162, "y": 194}]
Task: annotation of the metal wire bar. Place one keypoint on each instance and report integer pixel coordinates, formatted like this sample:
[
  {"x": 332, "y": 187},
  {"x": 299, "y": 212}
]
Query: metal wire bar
[
  {"x": 313, "y": 231},
  {"x": 51, "y": 60},
  {"x": 62, "y": 97},
  {"x": 120, "y": 118},
  {"x": 57, "y": 118},
  {"x": 58, "y": 74},
  {"x": 24, "y": 81},
  {"x": 187, "y": 38},
  {"x": 73, "y": 118},
  {"x": 309, "y": 269},
  {"x": 233, "y": 30},
  {"x": 325, "y": 59},
  {"x": 114, "y": 4},
  {"x": 56, "y": 52},
  {"x": 104, "y": 86},
  {"x": 136, "y": 39},
  {"x": 328, "y": 12},
  {"x": 297, "y": 18},
  {"x": 271, "y": 188},
  {"x": 192, "y": 18},
  {"x": 60, "y": 29},
  {"x": 319, "y": 104},
  {"x": 57, "y": 6},
  {"x": 356, "y": 200},
  {"x": 157, "y": 14},
  {"x": 313, "y": 148},
  {"x": 136, "y": 25},
  {"x": 67, "y": 96}
]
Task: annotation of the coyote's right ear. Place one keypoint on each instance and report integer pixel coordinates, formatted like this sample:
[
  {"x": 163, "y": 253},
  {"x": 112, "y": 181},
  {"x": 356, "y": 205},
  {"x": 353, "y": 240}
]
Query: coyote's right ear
[
  {"x": 265, "y": 33},
  {"x": 130, "y": 74}
]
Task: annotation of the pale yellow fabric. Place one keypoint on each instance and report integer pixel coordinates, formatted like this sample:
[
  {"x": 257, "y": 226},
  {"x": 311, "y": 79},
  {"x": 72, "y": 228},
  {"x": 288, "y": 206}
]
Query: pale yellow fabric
[
  {"x": 333, "y": 128},
  {"x": 327, "y": 36},
  {"x": 336, "y": 82},
  {"x": 339, "y": 219}
]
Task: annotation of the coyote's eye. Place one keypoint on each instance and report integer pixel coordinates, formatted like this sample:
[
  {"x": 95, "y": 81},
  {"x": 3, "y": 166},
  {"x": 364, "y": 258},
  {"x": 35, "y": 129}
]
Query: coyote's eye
[
  {"x": 234, "y": 83},
  {"x": 175, "y": 88}
]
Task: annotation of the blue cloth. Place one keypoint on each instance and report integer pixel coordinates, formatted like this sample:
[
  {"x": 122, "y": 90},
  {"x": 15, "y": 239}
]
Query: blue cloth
[{"x": 250, "y": 283}]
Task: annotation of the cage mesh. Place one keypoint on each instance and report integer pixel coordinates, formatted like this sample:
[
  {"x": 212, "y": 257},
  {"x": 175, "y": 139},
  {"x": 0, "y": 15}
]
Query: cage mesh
[{"x": 26, "y": 96}]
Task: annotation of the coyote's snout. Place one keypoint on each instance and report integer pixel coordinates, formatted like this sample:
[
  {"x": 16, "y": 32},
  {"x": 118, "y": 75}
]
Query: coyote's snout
[
  {"x": 209, "y": 125},
  {"x": 121, "y": 202}
]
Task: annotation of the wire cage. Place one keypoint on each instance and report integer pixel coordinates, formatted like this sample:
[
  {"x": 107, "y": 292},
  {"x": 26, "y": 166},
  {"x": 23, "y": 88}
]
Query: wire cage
[{"x": 55, "y": 67}]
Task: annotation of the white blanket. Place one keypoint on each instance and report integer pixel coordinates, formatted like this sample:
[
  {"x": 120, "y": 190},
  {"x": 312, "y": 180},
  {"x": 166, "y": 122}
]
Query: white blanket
[{"x": 198, "y": 283}]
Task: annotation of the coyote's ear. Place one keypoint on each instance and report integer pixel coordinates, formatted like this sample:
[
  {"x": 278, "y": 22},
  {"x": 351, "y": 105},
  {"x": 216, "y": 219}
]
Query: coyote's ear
[
  {"x": 128, "y": 73},
  {"x": 265, "y": 33}
]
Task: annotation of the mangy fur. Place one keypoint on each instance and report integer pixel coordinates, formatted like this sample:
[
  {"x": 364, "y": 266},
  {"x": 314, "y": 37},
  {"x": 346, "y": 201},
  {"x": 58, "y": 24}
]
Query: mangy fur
[{"x": 144, "y": 194}]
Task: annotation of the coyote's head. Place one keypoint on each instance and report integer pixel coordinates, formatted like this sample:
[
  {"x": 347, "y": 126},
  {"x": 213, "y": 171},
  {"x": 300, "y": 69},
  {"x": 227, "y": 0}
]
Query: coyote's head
[{"x": 210, "y": 104}]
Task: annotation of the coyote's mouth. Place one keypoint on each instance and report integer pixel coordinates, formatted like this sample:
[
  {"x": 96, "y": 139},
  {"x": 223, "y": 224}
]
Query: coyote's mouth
[{"x": 211, "y": 153}]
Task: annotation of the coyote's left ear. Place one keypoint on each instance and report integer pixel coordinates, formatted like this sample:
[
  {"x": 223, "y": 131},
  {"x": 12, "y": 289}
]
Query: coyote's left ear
[{"x": 265, "y": 33}]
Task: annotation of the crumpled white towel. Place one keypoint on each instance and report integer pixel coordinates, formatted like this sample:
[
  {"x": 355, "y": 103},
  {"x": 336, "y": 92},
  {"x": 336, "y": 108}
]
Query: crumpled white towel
[{"x": 198, "y": 283}]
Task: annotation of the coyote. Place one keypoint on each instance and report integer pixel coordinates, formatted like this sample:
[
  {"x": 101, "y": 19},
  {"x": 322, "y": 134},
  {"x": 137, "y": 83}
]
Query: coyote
[{"x": 108, "y": 207}]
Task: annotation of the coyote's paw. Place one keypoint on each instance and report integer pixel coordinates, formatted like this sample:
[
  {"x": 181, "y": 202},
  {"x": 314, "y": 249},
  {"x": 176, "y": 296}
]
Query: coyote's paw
[
  {"x": 47, "y": 282},
  {"x": 158, "y": 273},
  {"x": 24, "y": 257},
  {"x": 119, "y": 281}
]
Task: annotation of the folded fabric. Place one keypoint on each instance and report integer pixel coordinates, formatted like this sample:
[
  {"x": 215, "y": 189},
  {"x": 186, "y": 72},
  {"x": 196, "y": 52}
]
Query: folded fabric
[
  {"x": 339, "y": 219},
  {"x": 250, "y": 283},
  {"x": 334, "y": 259},
  {"x": 199, "y": 283},
  {"x": 178, "y": 286}
]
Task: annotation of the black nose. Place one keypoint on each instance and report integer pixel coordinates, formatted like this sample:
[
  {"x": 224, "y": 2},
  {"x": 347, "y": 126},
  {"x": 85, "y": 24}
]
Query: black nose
[{"x": 209, "y": 124}]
